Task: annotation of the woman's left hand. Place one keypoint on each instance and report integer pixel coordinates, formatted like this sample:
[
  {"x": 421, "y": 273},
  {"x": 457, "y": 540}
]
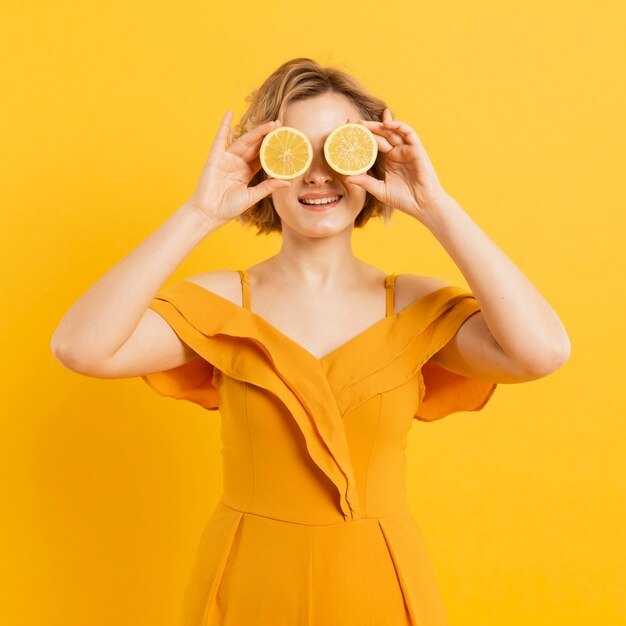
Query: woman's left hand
[{"x": 411, "y": 184}]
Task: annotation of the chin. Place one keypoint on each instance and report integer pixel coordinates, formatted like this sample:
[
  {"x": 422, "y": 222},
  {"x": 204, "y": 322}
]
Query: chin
[{"x": 323, "y": 227}]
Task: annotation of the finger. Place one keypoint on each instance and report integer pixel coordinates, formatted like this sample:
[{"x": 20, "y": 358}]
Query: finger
[
  {"x": 407, "y": 133},
  {"x": 377, "y": 127},
  {"x": 392, "y": 136},
  {"x": 401, "y": 129},
  {"x": 390, "y": 139},
  {"x": 251, "y": 140},
  {"x": 251, "y": 151},
  {"x": 255, "y": 164},
  {"x": 258, "y": 192},
  {"x": 369, "y": 183},
  {"x": 384, "y": 145},
  {"x": 410, "y": 137},
  {"x": 221, "y": 136}
]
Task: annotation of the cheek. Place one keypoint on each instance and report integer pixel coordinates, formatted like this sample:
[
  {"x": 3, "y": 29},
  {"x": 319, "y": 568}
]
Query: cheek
[
  {"x": 281, "y": 197},
  {"x": 358, "y": 195}
]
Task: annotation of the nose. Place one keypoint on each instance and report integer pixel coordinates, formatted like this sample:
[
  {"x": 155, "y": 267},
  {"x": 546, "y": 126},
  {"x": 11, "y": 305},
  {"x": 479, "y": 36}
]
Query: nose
[{"x": 319, "y": 172}]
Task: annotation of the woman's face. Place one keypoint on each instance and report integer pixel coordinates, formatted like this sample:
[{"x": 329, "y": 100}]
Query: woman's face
[{"x": 317, "y": 117}]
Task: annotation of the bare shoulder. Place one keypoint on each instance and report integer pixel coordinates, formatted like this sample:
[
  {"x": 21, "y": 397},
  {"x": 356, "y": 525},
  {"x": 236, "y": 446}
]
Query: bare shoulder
[
  {"x": 411, "y": 287},
  {"x": 224, "y": 283}
]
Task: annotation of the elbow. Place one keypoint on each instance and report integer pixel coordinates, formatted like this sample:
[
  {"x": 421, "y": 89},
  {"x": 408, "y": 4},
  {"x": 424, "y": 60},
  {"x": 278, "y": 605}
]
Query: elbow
[
  {"x": 61, "y": 353},
  {"x": 562, "y": 352},
  {"x": 57, "y": 349},
  {"x": 64, "y": 355},
  {"x": 552, "y": 360},
  {"x": 565, "y": 350}
]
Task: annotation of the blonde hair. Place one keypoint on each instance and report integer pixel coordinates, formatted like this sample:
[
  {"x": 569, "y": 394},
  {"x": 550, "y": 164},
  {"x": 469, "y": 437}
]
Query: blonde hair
[{"x": 299, "y": 79}]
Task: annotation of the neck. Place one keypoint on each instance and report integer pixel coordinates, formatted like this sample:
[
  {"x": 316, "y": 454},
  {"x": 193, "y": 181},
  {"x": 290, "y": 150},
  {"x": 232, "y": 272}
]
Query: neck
[{"x": 317, "y": 262}]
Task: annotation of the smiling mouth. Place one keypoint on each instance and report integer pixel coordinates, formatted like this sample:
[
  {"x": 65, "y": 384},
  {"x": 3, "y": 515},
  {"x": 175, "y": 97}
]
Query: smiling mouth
[{"x": 322, "y": 203}]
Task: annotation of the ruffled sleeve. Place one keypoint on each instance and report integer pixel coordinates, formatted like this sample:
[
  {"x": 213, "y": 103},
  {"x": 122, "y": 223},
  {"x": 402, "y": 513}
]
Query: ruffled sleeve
[
  {"x": 400, "y": 349},
  {"x": 194, "y": 381},
  {"x": 448, "y": 392},
  {"x": 445, "y": 392}
]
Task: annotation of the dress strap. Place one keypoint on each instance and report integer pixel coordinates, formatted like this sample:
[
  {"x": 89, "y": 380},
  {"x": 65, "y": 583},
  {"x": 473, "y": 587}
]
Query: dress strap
[
  {"x": 245, "y": 288},
  {"x": 390, "y": 282}
]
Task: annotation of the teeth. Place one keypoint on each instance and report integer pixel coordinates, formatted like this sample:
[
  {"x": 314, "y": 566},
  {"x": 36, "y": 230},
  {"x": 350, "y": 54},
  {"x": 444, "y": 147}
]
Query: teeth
[{"x": 321, "y": 201}]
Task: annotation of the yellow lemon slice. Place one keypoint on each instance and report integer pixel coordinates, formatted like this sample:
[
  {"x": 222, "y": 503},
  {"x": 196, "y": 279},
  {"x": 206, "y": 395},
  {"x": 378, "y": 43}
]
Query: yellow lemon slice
[
  {"x": 286, "y": 153},
  {"x": 351, "y": 149}
]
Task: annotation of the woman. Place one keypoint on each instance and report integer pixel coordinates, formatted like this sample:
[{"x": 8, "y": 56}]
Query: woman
[{"x": 317, "y": 361}]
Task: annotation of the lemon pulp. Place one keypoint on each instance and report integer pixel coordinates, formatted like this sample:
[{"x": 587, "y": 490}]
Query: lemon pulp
[
  {"x": 351, "y": 149},
  {"x": 285, "y": 153}
]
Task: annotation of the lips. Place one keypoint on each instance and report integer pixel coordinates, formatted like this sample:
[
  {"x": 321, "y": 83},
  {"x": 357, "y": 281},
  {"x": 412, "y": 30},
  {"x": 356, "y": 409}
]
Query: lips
[
  {"x": 322, "y": 206},
  {"x": 315, "y": 199}
]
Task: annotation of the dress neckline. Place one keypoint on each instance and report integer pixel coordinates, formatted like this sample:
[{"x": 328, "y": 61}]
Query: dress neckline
[
  {"x": 391, "y": 319},
  {"x": 389, "y": 309}
]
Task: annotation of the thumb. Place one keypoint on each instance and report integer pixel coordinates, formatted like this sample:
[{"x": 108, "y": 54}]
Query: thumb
[
  {"x": 265, "y": 188},
  {"x": 374, "y": 186}
]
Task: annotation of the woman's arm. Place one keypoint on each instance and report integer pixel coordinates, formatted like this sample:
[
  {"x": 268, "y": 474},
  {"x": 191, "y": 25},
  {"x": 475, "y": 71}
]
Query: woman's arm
[
  {"x": 517, "y": 335},
  {"x": 100, "y": 322},
  {"x": 95, "y": 334}
]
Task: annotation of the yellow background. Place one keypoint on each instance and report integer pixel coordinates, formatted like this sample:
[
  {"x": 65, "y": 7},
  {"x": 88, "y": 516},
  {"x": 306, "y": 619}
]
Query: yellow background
[{"x": 108, "y": 111}]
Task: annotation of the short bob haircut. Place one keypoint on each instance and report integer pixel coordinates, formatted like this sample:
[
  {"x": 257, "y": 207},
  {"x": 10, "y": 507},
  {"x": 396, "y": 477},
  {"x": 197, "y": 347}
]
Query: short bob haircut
[{"x": 299, "y": 79}]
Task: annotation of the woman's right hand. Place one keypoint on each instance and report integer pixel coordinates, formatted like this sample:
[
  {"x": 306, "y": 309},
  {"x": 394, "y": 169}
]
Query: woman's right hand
[{"x": 222, "y": 192}]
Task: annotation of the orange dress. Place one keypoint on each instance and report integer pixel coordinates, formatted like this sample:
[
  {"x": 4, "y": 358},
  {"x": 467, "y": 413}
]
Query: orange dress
[{"x": 313, "y": 527}]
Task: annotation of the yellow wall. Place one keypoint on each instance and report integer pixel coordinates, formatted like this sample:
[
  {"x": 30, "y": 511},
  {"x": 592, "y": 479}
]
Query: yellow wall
[{"x": 107, "y": 113}]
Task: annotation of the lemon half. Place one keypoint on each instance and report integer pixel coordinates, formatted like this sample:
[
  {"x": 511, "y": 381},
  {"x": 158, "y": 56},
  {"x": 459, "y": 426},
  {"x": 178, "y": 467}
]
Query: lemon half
[
  {"x": 286, "y": 153},
  {"x": 351, "y": 149}
]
